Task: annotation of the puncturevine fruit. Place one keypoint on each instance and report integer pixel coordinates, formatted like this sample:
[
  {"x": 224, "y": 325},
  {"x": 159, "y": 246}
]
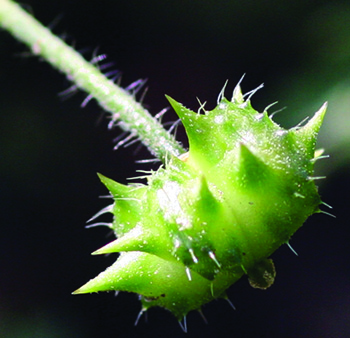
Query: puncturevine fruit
[{"x": 215, "y": 213}]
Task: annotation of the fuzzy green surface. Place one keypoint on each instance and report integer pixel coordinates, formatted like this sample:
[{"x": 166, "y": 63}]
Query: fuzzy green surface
[{"x": 207, "y": 218}]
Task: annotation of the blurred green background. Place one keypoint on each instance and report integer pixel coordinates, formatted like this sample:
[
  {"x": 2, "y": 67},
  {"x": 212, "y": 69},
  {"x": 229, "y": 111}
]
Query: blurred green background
[{"x": 51, "y": 149}]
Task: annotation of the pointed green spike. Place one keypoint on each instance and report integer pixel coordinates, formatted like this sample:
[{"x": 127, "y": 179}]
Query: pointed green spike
[
  {"x": 199, "y": 129},
  {"x": 134, "y": 240},
  {"x": 207, "y": 206},
  {"x": 140, "y": 239},
  {"x": 158, "y": 281},
  {"x": 207, "y": 212},
  {"x": 252, "y": 172},
  {"x": 315, "y": 123},
  {"x": 108, "y": 248},
  {"x": 116, "y": 277},
  {"x": 126, "y": 209},
  {"x": 187, "y": 116},
  {"x": 116, "y": 189},
  {"x": 307, "y": 135},
  {"x": 219, "y": 242},
  {"x": 195, "y": 124}
]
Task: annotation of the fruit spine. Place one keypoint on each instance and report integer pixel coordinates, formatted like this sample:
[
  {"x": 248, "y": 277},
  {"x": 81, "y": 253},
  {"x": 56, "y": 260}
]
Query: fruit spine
[{"x": 214, "y": 214}]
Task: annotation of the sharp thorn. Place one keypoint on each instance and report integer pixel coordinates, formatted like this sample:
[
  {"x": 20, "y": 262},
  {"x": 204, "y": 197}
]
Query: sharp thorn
[
  {"x": 252, "y": 92},
  {"x": 188, "y": 273},
  {"x": 222, "y": 93},
  {"x": 327, "y": 213},
  {"x": 230, "y": 303},
  {"x": 109, "y": 208},
  {"x": 202, "y": 315},
  {"x": 183, "y": 325},
  {"x": 213, "y": 258},
  {"x": 139, "y": 316},
  {"x": 291, "y": 248},
  {"x": 109, "y": 225},
  {"x": 327, "y": 205}
]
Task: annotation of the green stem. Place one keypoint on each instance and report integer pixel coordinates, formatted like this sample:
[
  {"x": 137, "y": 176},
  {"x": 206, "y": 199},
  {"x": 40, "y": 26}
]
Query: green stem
[{"x": 117, "y": 101}]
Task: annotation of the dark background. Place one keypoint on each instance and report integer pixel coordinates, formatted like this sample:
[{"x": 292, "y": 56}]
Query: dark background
[{"x": 50, "y": 151}]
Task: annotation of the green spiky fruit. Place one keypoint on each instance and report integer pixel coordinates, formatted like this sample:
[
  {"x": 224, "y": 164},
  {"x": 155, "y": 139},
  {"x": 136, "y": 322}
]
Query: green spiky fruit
[{"x": 217, "y": 213}]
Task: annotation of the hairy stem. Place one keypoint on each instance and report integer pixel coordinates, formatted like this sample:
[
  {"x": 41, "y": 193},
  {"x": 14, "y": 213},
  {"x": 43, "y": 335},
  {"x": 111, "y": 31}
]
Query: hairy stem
[{"x": 115, "y": 100}]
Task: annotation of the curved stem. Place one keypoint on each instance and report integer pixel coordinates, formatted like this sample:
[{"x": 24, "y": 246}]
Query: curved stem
[{"x": 115, "y": 100}]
